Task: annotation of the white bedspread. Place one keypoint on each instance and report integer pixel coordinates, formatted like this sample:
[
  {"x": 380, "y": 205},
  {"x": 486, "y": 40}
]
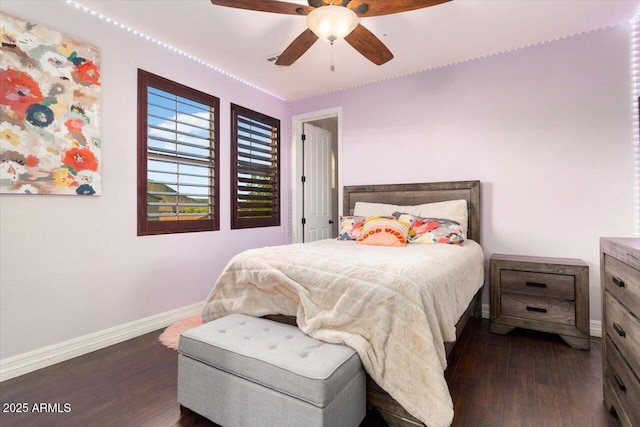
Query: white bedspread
[{"x": 395, "y": 306}]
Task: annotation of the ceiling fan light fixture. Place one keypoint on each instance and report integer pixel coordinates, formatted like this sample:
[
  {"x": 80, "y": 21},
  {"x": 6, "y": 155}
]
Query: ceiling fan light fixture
[{"x": 332, "y": 22}]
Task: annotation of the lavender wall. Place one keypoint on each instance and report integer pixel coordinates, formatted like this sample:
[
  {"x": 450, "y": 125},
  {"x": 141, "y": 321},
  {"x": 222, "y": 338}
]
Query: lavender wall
[
  {"x": 71, "y": 266},
  {"x": 547, "y": 129}
]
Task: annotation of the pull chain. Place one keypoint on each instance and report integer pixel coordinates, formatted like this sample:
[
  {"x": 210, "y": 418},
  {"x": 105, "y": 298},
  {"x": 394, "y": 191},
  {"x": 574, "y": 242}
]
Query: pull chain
[{"x": 332, "y": 68}]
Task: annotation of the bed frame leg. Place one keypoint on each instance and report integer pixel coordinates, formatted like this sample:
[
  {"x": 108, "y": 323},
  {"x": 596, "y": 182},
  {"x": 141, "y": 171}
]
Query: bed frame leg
[{"x": 477, "y": 313}]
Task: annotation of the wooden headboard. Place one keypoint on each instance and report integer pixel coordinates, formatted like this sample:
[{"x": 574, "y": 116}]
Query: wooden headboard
[{"x": 417, "y": 194}]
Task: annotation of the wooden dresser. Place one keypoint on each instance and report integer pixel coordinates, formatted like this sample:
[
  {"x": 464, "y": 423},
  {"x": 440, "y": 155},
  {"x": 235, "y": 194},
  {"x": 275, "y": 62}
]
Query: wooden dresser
[
  {"x": 543, "y": 294},
  {"x": 620, "y": 276}
]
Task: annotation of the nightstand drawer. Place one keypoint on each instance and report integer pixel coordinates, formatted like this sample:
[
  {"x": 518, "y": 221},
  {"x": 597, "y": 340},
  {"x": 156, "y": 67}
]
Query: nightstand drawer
[
  {"x": 624, "y": 331},
  {"x": 538, "y": 284},
  {"x": 623, "y": 282},
  {"x": 539, "y": 308},
  {"x": 624, "y": 384}
]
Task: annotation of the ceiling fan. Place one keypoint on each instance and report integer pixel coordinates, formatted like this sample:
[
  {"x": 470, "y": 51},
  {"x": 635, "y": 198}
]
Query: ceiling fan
[{"x": 333, "y": 20}]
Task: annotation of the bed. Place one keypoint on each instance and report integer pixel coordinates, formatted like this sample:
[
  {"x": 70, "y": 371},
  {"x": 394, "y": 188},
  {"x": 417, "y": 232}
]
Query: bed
[{"x": 266, "y": 282}]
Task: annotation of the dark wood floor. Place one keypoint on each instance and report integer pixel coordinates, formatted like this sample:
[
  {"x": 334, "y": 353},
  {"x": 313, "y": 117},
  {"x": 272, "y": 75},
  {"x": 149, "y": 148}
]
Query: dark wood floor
[{"x": 521, "y": 379}]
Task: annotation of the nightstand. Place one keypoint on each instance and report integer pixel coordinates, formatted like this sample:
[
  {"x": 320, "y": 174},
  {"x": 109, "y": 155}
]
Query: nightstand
[{"x": 543, "y": 294}]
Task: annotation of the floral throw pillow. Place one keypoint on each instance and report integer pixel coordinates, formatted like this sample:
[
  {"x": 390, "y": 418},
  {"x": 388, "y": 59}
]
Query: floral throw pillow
[
  {"x": 384, "y": 231},
  {"x": 350, "y": 227},
  {"x": 431, "y": 230}
]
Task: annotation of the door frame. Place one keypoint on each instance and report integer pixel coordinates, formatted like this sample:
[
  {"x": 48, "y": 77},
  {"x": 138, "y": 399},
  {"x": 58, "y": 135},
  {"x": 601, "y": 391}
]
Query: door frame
[{"x": 296, "y": 155}]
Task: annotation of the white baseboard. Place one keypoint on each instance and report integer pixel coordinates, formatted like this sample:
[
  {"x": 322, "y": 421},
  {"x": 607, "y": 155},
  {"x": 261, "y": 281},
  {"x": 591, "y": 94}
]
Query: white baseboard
[
  {"x": 485, "y": 311},
  {"x": 595, "y": 326},
  {"x": 24, "y": 363}
]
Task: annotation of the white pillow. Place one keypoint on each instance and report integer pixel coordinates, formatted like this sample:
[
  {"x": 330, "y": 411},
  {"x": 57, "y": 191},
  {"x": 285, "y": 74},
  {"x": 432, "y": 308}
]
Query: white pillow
[
  {"x": 455, "y": 210},
  {"x": 375, "y": 209}
]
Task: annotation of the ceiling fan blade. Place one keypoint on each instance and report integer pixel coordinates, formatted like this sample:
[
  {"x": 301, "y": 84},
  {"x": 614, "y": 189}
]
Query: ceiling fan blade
[
  {"x": 266, "y": 6},
  {"x": 387, "y": 7},
  {"x": 297, "y": 48},
  {"x": 369, "y": 45}
]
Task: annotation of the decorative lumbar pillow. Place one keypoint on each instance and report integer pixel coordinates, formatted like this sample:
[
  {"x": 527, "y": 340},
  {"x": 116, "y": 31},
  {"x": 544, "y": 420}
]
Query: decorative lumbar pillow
[
  {"x": 350, "y": 227},
  {"x": 384, "y": 231},
  {"x": 431, "y": 230}
]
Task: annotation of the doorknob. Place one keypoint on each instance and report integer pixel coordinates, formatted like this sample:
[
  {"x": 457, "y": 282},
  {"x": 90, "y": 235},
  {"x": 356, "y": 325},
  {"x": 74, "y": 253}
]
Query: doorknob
[{"x": 330, "y": 221}]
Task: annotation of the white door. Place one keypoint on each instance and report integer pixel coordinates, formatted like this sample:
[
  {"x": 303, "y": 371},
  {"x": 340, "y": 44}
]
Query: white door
[{"x": 316, "y": 184}]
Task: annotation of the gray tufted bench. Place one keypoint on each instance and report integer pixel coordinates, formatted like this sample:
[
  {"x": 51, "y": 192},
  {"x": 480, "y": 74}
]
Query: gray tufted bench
[{"x": 246, "y": 371}]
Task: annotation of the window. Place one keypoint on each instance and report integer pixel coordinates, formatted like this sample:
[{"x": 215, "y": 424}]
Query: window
[
  {"x": 255, "y": 169},
  {"x": 177, "y": 157}
]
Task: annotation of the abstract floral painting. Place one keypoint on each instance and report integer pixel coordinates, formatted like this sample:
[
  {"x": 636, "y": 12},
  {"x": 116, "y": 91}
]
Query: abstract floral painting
[{"x": 49, "y": 111}]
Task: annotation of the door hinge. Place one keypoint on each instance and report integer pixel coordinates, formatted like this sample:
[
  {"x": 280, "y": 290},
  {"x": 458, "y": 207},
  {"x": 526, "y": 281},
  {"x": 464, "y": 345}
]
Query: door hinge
[
  {"x": 304, "y": 221},
  {"x": 304, "y": 137},
  {"x": 304, "y": 178}
]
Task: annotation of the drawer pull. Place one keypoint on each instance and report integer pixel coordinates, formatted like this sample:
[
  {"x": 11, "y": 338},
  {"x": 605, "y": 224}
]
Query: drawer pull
[
  {"x": 618, "y": 282},
  {"x": 535, "y": 284},
  {"x": 619, "y": 330},
  {"x": 536, "y": 309},
  {"x": 621, "y": 385}
]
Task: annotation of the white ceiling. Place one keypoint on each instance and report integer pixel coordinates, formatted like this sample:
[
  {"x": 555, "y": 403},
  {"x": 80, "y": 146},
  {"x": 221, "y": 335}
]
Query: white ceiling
[{"x": 239, "y": 41}]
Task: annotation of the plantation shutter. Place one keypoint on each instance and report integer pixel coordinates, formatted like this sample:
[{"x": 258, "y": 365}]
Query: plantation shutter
[
  {"x": 180, "y": 135},
  {"x": 255, "y": 169}
]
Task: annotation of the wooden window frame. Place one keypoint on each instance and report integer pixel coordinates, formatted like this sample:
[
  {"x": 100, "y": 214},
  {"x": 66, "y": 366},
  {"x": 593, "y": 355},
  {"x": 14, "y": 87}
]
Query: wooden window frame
[
  {"x": 146, "y": 227},
  {"x": 236, "y": 221}
]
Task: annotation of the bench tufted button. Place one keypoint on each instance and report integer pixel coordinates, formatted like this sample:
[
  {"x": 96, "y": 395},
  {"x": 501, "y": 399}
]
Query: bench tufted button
[
  {"x": 266, "y": 329},
  {"x": 243, "y": 323},
  {"x": 222, "y": 331},
  {"x": 304, "y": 355},
  {"x": 273, "y": 347},
  {"x": 289, "y": 337},
  {"x": 247, "y": 338}
]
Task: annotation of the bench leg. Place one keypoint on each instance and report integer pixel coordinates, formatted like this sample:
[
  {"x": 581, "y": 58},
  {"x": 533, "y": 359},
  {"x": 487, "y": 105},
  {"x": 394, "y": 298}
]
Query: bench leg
[{"x": 184, "y": 410}]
